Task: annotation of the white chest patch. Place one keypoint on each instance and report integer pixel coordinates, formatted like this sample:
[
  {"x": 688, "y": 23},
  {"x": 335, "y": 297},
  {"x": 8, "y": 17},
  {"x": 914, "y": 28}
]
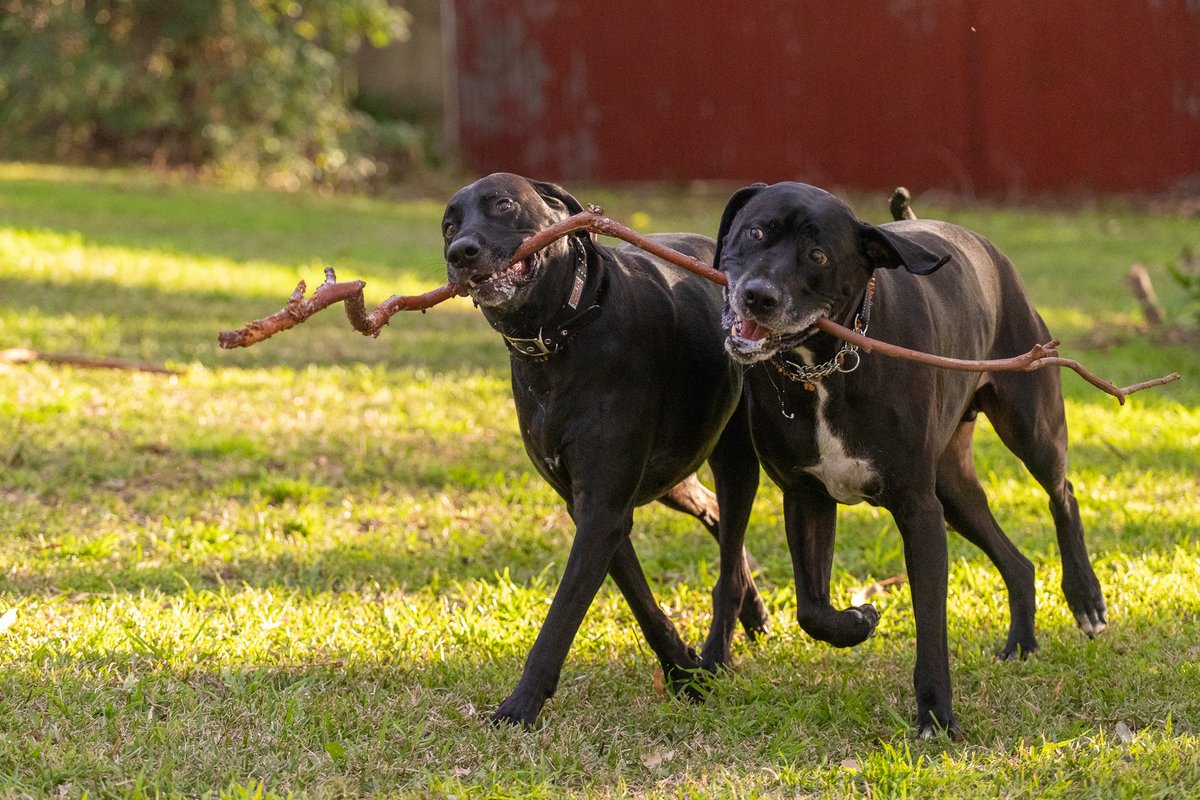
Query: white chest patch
[{"x": 845, "y": 477}]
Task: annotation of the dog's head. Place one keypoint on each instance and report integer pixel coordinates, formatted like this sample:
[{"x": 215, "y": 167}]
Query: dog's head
[
  {"x": 484, "y": 224},
  {"x": 795, "y": 253}
]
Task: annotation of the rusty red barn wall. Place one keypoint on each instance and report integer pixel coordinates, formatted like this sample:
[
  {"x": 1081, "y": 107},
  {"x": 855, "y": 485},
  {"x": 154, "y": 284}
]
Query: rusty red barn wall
[{"x": 1024, "y": 96}]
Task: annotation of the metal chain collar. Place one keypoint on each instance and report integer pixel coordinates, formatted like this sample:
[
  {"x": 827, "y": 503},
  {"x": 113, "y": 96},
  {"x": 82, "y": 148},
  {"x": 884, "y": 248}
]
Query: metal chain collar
[{"x": 846, "y": 359}]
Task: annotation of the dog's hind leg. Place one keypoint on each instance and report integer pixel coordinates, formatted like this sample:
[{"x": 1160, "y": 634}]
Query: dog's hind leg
[
  {"x": 735, "y": 472},
  {"x": 1026, "y": 410},
  {"x": 725, "y": 515},
  {"x": 694, "y": 498},
  {"x": 966, "y": 508},
  {"x": 810, "y": 517},
  {"x": 677, "y": 659}
]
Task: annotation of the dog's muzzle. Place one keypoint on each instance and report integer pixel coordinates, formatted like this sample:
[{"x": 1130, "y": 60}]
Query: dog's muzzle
[
  {"x": 491, "y": 288},
  {"x": 748, "y": 341}
]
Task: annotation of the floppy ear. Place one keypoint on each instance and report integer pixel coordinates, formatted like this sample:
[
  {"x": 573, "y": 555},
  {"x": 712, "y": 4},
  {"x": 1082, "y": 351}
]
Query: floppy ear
[
  {"x": 560, "y": 199},
  {"x": 557, "y": 197},
  {"x": 735, "y": 204},
  {"x": 888, "y": 249}
]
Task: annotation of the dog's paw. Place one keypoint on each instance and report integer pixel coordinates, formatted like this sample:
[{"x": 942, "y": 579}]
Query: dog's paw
[
  {"x": 865, "y": 619},
  {"x": 1016, "y": 652},
  {"x": 869, "y": 615},
  {"x": 1086, "y": 601},
  {"x": 1021, "y": 645},
  {"x": 755, "y": 618},
  {"x": 1092, "y": 621},
  {"x": 932, "y": 727},
  {"x": 847, "y": 628},
  {"x": 517, "y": 711},
  {"x": 691, "y": 684}
]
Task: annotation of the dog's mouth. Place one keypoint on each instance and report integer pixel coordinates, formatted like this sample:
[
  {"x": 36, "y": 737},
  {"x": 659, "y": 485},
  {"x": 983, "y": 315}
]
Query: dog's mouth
[
  {"x": 502, "y": 285},
  {"x": 749, "y": 341}
]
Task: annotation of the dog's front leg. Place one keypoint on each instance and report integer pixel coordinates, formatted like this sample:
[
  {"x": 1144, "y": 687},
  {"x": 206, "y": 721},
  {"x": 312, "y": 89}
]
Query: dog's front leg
[
  {"x": 598, "y": 534},
  {"x": 810, "y": 516},
  {"x": 923, "y": 528}
]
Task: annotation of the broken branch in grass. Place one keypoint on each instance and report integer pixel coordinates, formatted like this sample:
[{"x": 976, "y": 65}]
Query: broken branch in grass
[
  {"x": 21, "y": 355},
  {"x": 593, "y": 220}
]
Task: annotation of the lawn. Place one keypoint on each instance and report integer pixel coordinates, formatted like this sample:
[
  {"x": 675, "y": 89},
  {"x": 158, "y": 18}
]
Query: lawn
[{"x": 314, "y": 566}]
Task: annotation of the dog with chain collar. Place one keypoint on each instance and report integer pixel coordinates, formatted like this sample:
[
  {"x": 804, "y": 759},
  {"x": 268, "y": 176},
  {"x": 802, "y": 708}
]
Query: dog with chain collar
[{"x": 888, "y": 432}]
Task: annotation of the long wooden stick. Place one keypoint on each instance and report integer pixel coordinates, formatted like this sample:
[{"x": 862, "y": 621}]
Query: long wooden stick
[{"x": 593, "y": 220}]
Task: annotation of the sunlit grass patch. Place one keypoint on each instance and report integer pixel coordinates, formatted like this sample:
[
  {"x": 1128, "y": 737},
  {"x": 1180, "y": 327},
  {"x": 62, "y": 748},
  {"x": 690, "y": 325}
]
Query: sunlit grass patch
[{"x": 314, "y": 567}]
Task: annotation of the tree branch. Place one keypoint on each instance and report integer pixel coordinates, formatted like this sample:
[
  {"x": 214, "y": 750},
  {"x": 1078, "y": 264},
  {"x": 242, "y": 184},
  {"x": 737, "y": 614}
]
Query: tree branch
[
  {"x": 593, "y": 220},
  {"x": 21, "y": 355}
]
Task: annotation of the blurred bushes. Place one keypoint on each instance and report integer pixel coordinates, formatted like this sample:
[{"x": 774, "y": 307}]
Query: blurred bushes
[{"x": 253, "y": 90}]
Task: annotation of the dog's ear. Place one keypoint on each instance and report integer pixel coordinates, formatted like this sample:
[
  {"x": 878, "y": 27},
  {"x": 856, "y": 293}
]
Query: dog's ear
[
  {"x": 888, "y": 249},
  {"x": 557, "y": 197},
  {"x": 739, "y": 199},
  {"x": 560, "y": 199}
]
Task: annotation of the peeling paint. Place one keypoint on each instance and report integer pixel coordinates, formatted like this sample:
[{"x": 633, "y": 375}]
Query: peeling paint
[
  {"x": 1021, "y": 98},
  {"x": 1185, "y": 100}
]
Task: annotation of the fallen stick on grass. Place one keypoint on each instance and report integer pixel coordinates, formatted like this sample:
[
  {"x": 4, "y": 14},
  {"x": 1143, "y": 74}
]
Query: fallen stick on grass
[
  {"x": 21, "y": 355},
  {"x": 298, "y": 309}
]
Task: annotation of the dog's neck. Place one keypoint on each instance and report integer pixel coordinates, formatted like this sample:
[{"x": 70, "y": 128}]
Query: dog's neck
[
  {"x": 850, "y": 315},
  {"x": 562, "y": 300},
  {"x": 820, "y": 359}
]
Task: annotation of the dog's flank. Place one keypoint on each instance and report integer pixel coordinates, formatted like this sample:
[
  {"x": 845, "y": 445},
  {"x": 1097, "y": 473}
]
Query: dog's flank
[
  {"x": 622, "y": 391},
  {"x": 896, "y": 433}
]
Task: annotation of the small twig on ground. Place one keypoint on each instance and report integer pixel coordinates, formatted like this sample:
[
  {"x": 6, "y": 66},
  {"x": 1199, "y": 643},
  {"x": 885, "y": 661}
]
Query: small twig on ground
[
  {"x": 1143, "y": 291},
  {"x": 865, "y": 593},
  {"x": 21, "y": 355},
  {"x": 593, "y": 220}
]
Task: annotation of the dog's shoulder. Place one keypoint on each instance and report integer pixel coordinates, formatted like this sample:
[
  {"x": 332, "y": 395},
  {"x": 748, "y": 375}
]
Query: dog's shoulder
[
  {"x": 975, "y": 263},
  {"x": 645, "y": 270}
]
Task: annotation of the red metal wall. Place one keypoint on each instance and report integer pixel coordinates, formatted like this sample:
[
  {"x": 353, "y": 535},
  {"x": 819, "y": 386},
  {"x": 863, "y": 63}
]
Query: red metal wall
[{"x": 1014, "y": 97}]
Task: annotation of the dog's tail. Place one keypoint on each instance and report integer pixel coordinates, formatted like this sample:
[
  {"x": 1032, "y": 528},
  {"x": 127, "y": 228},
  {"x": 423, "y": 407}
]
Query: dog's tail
[{"x": 900, "y": 204}]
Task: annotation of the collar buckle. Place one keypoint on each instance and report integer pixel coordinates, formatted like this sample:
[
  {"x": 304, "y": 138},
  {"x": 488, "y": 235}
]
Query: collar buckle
[
  {"x": 547, "y": 343},
  {"x": 537, "y": 347}
]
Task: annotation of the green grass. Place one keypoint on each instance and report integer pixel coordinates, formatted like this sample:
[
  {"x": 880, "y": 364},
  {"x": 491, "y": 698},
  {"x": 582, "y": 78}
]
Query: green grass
[{"x": 313, "y": 566}]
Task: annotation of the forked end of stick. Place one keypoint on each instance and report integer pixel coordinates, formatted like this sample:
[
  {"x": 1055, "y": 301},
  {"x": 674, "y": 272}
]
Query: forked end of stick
[{"x": 1137, "y": 387}]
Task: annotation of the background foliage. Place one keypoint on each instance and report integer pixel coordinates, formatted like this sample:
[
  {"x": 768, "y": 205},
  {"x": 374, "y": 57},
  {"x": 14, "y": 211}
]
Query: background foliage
[{"x": 252, "y": 88}]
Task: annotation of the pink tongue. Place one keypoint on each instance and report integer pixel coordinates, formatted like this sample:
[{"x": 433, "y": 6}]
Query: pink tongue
[{"x": 752, "y": 330}]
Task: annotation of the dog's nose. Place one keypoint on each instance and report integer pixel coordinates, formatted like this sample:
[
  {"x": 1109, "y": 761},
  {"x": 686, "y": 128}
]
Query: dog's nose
[
  {"x": 760, "y": 295},
  {"x": 463, "y": 251}
]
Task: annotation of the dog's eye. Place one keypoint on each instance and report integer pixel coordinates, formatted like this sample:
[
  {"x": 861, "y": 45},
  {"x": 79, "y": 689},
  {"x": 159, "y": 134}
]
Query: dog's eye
[
  {"x": 756, "y": 234},
  {"x": 818, "y": 257},
  {"x": 448, "y": 230},
  {"x": 504, "y": 204}
]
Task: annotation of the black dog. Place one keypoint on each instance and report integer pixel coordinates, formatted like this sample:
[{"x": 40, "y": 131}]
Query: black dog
[
  {"x": 832, "y": 426},
  {"x": 623, "y": 390}
]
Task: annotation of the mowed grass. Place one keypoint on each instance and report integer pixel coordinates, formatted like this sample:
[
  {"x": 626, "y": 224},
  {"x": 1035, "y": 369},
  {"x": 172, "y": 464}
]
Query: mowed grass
[{"x": 314, "y": 566}]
